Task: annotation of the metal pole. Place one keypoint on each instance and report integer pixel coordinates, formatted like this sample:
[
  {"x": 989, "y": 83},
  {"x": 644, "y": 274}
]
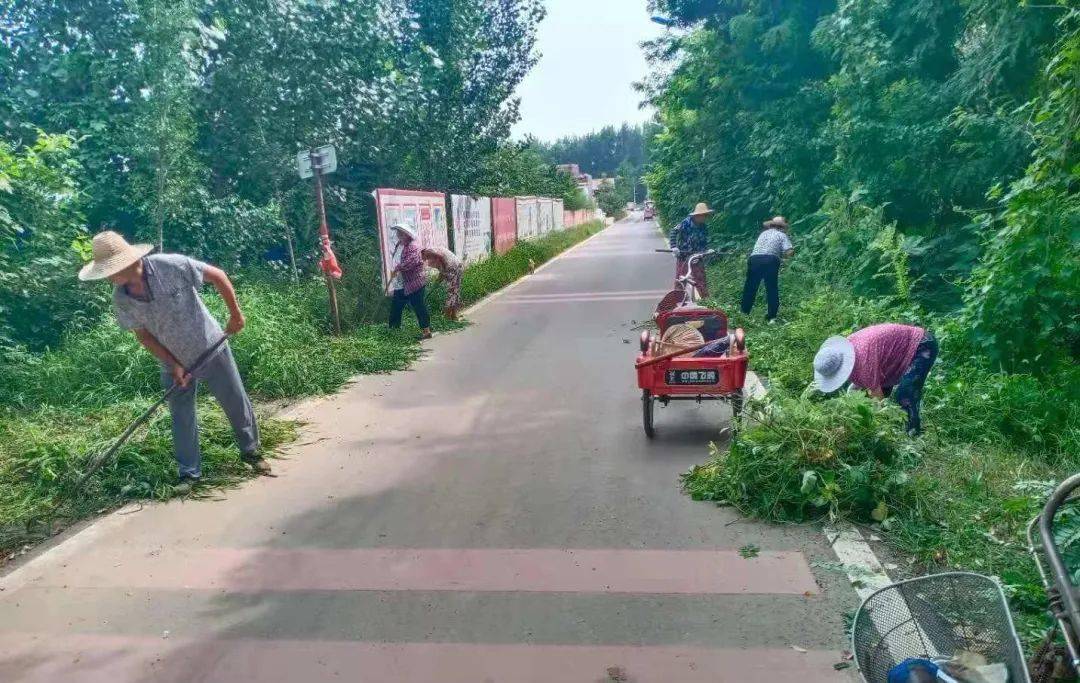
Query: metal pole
[
  {"x": 324, "y": 231},
  {"x": 292, "y": 257}
]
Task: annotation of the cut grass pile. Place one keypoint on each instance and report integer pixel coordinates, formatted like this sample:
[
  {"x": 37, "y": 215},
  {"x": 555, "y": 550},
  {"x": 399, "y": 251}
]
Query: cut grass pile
[
  {"x": 61, "y": 407},
  {"x": 959, "y": 497}
]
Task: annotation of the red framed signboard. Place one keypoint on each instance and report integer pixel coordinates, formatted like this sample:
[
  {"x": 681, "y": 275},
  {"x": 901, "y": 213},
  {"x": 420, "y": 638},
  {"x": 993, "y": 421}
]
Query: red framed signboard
[{"x": 424, "y": 212}]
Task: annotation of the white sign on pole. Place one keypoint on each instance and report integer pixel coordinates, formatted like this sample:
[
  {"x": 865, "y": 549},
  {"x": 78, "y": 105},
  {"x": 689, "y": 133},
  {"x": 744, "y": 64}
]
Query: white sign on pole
[{"x": 323, "y": 160}]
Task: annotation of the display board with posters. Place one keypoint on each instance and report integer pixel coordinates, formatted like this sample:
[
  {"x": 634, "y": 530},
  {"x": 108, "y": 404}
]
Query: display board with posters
[
  {"x": 425, "y": 212},
  {"x": 504, "y": 223},
  {"x": 472, "y": 227},
  {"x": 528, "y": 218}
]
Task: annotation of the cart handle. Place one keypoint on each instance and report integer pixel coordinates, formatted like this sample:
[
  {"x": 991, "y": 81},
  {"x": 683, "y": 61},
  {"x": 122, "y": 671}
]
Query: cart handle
[{"x": 669, "y": 356}]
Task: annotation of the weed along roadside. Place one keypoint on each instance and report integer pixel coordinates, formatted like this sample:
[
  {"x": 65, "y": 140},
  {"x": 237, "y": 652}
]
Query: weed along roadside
[
  {"x": 61, "y": 406},
  {"x": 957, "y": 497}
]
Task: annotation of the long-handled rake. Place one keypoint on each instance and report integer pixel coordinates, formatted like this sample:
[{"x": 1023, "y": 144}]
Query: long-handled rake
[{"x": 98, "y": 462}]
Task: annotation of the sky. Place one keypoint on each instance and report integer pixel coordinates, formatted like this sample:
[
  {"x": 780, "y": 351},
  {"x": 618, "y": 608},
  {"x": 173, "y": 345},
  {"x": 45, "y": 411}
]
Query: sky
[{"x": 589, "y": 60}]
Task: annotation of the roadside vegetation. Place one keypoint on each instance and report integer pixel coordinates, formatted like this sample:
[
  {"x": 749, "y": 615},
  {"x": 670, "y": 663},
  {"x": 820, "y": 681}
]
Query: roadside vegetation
[
  {"x": 177, "y": 123},
  {"x": 926, "y": 154},
  {"x": 61, "y": 406}
]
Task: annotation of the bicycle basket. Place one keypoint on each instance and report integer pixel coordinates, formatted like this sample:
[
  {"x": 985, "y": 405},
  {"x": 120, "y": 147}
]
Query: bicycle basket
[{"x": 935, "y": 617}]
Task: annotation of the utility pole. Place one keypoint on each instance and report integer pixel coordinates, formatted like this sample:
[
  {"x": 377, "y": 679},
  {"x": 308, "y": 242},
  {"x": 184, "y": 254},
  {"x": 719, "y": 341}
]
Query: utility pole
[{"x": 316, "y": 163}]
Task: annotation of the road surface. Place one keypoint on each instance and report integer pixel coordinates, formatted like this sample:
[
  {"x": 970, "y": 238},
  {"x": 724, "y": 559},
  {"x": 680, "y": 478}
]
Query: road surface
[{"x": 495, "y": 514}]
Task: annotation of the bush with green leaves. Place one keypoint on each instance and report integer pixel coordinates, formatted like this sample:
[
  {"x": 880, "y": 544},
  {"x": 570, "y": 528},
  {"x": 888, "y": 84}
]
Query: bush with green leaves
[{"x": 42, "y": 237}]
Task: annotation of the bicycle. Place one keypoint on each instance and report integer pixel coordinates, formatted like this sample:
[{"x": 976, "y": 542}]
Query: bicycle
[
  {"x": 922, "y": 627},
  {"x": 685, "y": 292}
]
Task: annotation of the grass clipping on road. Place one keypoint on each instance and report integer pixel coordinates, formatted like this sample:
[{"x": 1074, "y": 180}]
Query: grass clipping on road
[
  {"x": 958, "y": 497},
  {"x": 60, "y": 408}
]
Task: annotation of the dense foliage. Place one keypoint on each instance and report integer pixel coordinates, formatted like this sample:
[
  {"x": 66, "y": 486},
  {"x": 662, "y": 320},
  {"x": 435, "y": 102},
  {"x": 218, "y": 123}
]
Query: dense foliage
[
  {"x": 178, "y": 122},
  {"x": 610, "y": 152},
  {"x": 601, "y": 152},
  {"x": 926, "y": 151},
  {"x": 952, "y": 123}
]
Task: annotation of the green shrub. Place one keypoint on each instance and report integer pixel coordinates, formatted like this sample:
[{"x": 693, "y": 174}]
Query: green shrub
[
  {"x": 845, "y": 458},
  {"x": 41, "y": 236}
]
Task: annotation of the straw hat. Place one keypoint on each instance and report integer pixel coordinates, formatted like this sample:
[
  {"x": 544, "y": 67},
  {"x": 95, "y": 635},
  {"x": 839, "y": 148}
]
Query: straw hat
[
  {"x": 833, "y": 363},
  {"x": 405, "y": 230},
  {"x": 681, "y": 336},
  {"x": 702, "y": 209},
  {"x": 776, "y": 222},
  {"x": 112, "y": 254}
]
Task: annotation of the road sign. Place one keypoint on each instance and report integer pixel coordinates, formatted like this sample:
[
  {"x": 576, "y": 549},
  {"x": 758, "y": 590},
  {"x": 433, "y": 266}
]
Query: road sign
[{"x": 323, "y": 160}]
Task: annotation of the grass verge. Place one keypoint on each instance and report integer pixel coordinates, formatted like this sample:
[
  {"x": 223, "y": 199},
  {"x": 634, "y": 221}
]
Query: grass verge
[
  {"x": 60, "y": 407},
  {"x": 957, "y": 497}
]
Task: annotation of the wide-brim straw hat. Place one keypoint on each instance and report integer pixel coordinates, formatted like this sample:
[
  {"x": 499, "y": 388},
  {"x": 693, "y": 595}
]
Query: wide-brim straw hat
[
  {"x": 405, "y": 230},
  {"x": 112, "y": 253},
  {"x": 702, "y": 209},
  {"x": 833, "y": 363},
  {"x": 776, "y": 222},
  {"x": 681, "y": 336}
]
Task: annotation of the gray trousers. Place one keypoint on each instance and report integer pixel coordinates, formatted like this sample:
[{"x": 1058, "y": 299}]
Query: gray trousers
[{"x": 223, "y": 380}]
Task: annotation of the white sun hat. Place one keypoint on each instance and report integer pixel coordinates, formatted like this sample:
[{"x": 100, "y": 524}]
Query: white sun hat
[
  {"x": 404, "y": 229},
  {"x": 112, "y": 253},
  {"x": 833, "y": 363}
]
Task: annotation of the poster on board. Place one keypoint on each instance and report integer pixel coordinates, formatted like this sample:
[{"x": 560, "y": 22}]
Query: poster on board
[
  {"x": 545, "y": 218},
  {"x": 424, "y": 212},
  {"x": 472, "y": 227},
  {"x": 528, "y": 209}
]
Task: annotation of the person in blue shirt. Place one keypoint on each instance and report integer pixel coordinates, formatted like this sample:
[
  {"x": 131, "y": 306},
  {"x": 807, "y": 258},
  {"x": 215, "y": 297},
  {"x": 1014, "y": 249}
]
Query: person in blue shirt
[{"x": 688, "y": 238}]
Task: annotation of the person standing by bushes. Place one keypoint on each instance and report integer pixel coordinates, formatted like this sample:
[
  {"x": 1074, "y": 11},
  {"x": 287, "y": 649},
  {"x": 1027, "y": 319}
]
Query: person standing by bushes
[
  {"x": 688, "y": 238},
  {"x": 885, "y": 359},
  {"x": 773, "y": 244},
  {"x": 156, "y": 297},
  {"x": 408, "y": 283},
  {"x": 450, "y": 270}
]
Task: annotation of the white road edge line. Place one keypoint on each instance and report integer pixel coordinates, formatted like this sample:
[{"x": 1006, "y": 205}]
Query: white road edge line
[{"x": 861, "y": 565}]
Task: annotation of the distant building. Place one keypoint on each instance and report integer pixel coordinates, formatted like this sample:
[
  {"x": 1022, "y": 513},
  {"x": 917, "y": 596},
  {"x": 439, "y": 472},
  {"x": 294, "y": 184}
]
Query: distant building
[{"x": 584, "y": 181}]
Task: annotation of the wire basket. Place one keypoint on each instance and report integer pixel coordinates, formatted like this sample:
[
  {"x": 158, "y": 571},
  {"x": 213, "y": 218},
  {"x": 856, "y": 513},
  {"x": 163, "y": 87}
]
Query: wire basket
[{"x": 935, "y": 617}]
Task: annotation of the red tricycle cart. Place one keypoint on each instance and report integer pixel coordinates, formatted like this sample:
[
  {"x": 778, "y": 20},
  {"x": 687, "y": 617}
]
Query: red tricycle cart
[{"x": 668, "y": 372}]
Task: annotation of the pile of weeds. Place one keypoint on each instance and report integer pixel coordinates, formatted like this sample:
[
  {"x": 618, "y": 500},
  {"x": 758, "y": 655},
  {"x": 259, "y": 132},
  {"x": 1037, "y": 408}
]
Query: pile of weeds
[
  {"x": 798, "y": 460},
  {"x": 958, "y": 497}
]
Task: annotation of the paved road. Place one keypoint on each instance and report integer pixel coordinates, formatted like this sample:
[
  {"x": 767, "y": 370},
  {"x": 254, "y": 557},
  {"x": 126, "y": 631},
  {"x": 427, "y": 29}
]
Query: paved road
[{"x": 495, "y": 514}]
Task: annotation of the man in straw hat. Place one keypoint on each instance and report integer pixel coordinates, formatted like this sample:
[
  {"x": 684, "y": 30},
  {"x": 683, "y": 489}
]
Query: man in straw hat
[
  {"x": 886, "y": 359},
  {"x": 157, "y": 298},
  {"x": 688, "y": 238},
  {"x": 772, "y": 245}
]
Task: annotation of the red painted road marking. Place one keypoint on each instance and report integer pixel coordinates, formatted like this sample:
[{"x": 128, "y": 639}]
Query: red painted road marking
[
  {"x": 247, "y": 570},
  {"x": 108, "y": 659}
]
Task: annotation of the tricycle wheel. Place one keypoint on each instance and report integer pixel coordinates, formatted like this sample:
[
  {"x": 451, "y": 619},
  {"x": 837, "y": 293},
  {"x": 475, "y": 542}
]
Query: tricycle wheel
[{"x": 647, "y": 403}]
